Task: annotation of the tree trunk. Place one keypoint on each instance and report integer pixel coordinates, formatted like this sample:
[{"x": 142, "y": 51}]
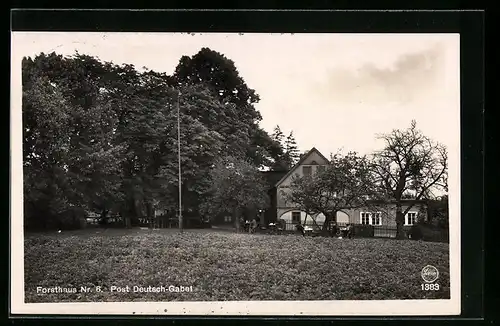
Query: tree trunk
[
  {"x": 236, "y": 220},
  {"x": 149, "y": 213},
  {"x": 328, "y": 218},
  {"x": 400, "y": 234},
  {"x": 315, "y": 224},
  {"x": 125, "y": 217},
  {"x": 133, "y": 210}
]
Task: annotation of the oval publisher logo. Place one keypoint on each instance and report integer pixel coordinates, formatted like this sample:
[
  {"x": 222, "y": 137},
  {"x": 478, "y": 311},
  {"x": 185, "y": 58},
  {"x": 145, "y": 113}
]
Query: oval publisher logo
[{"x": 429, "y": 273}]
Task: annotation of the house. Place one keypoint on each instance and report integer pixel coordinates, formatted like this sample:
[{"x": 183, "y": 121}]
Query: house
[{"x": 376, "y": 213}]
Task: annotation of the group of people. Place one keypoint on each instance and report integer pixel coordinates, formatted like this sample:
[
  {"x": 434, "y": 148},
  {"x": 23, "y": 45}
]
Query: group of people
[
  {"x": 346, "y": 232},
  {"x": 335, "y": 230},
  {"x": 249, "y": 226}
]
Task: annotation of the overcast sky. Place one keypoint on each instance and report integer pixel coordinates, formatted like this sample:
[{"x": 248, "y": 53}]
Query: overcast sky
[{"x": 333, "y": 90}]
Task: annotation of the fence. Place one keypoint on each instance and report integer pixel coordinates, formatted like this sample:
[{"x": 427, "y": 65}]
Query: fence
[
  {"x": 158, "y": 222},
  {"x": 429, "y": 233}
]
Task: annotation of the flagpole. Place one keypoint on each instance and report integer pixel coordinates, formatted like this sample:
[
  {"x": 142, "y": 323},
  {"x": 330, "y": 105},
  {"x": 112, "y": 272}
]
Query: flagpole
[{"x": 179, "y": 159}]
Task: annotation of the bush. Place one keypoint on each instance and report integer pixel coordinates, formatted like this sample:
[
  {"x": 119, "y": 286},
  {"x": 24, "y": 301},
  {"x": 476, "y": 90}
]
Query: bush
[
  {"x": 416, "y": 232},
  {"x": 365, "y": 231},
  {"x": 197, "y": 223},
  {"x": 434, "y": 233},
  {"x": 72, "y": 219}
]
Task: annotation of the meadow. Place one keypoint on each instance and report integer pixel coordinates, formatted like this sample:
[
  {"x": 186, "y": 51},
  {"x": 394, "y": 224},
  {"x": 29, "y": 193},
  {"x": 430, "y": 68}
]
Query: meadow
[{"x": 209, "y": 265}]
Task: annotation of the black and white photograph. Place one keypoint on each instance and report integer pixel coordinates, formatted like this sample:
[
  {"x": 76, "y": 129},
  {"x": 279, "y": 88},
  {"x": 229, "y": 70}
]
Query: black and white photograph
[{"x": 236, "y": 173}]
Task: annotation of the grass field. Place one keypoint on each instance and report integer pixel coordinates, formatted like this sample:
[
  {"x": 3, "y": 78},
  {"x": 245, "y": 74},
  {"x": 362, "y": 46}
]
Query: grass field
[{"x": 227, "y": 266}]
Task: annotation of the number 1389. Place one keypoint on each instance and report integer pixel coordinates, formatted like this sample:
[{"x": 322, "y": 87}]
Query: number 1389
[{"x": 430, "y": 287}]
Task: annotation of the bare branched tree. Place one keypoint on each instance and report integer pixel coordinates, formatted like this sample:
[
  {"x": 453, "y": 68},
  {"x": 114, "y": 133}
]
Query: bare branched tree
[{"x": 410, "y": 167}]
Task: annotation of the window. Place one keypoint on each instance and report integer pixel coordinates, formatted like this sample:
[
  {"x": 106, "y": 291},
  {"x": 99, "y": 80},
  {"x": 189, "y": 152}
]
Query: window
[
  {"x": 295, "y": 217},
  {"x": 368, "y": 218},
  {"x": 307, "y": 170},
  {"x": 365, "y": 218},
  {"x": 411, "y": 218},
  {"x": 320, "y": 168},
  {"x": 227, "y": 219}
]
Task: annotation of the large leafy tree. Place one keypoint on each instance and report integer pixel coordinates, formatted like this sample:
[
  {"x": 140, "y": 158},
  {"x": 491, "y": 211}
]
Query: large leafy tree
[
  {"x": 150, "y": 132},
  {"x": 103, "y": 136},
  {"x": 411, "y": 165},
  {"x": 202, "y": 142},
  {"x": 88, "y": 161},
  {"x": 45, "y": 150},
  {"x": 239, "y": 119},
  {"x": 236, "y": 187},
  {"x": 346, "y": 182},
  {"x": 97, "y": 97}
]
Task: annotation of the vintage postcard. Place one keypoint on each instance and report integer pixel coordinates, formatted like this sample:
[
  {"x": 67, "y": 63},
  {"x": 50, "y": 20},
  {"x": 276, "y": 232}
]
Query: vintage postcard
[{"x": 235, "y": 174}]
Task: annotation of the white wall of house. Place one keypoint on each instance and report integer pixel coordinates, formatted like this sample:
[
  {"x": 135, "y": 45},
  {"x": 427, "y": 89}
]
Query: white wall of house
[
  {"x": 342, "y": 217},
  {"x": 385, "y": 216},
  {"x": 320, "y": 219},
  {"x": 304, "y": 219},
  {"x": 288, "y": 217},
  {"x": 312, "y": 162}
]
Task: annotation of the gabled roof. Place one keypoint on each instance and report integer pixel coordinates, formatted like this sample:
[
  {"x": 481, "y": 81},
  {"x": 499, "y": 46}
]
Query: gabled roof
[{"x": 302, "y": 159}]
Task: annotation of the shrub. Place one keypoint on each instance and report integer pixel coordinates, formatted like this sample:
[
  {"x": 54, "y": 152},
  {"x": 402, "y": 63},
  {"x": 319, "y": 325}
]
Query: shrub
[
  {"x": 72, "y": 219},
  {"x": 364, "y": 231},
  {"x": 434, "y": 233},
  {"x": 197, "y": 223},
  {"x": 415, "y": 232}
]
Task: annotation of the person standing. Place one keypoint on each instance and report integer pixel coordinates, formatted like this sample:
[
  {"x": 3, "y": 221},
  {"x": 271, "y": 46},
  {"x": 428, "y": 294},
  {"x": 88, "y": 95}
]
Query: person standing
[
  {"x": 349, "y": 231},
  {"x": 300, "y": 228},
  {"x": 253, "y": 225},
  {"x": 333, "y": 228}
]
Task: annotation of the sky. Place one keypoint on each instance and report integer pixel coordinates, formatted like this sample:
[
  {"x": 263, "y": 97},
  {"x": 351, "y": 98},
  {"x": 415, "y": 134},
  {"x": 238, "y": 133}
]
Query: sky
[{"x": 334, "y": 91}]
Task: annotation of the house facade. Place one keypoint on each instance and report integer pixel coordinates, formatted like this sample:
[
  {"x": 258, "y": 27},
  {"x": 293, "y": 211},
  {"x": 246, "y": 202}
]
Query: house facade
[{"x": 377, "y": 214}]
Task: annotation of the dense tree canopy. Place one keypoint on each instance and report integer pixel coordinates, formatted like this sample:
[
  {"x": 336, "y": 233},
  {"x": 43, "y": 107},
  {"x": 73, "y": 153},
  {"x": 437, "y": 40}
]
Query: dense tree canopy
[
  {"x": 236, "y": 188},
  {"x": 219, "y": 74},
  {"x": 103, "y": 136}
]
